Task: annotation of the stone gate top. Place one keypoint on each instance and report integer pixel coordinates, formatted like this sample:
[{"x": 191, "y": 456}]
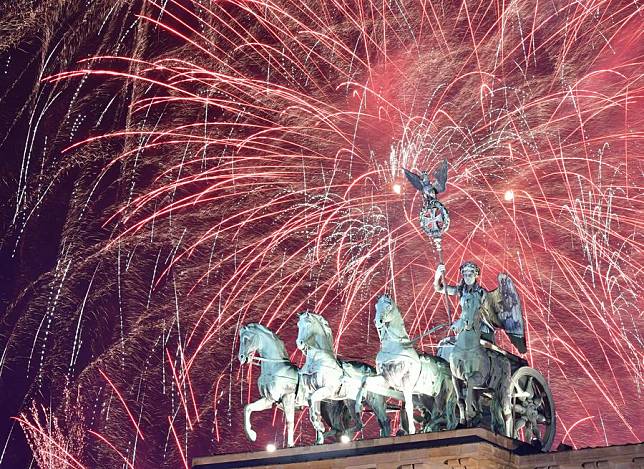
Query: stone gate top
[{"x": 474, "y": 448}]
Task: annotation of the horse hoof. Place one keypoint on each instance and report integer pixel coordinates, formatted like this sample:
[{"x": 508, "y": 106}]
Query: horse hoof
[{"x": 251, "y": 434}]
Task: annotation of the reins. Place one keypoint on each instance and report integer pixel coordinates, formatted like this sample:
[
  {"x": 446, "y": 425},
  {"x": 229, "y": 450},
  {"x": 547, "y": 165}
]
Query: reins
[
  {"x": 273, "y": 360},
  {"x": 425, "y": 334},
  {"x": 432, "y": 330}
]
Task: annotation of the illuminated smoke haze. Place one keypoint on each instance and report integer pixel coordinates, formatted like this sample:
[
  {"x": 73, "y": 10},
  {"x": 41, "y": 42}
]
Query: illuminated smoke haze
[{"x": 174, "y": 170}]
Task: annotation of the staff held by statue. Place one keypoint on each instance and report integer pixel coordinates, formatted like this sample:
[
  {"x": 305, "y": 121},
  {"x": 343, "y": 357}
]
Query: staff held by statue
[{"x": 434, "y": 217}]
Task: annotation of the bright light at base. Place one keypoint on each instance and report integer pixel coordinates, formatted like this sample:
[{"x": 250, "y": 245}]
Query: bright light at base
[
  {"x": 509, "y": 195},
  {"x": 397, "y": 188},
  {"x": 345, "y": 439},
  {"x": 270, "y": 447}
]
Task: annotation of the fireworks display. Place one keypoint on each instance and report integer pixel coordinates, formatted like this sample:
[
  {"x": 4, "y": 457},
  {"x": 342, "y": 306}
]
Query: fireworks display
[{"x": 176, "y": 169}]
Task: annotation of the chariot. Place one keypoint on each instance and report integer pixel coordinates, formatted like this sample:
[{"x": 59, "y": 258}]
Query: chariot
[{"x": 532, "y": 406}]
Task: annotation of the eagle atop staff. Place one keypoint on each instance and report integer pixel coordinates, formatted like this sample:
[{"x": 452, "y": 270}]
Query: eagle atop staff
[{"x": 422, "y": 182}]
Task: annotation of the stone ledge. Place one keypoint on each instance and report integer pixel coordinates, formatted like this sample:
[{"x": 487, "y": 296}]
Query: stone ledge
[
  {"x": 474, "y": 448},
  {"x": 370, "y": 449}
]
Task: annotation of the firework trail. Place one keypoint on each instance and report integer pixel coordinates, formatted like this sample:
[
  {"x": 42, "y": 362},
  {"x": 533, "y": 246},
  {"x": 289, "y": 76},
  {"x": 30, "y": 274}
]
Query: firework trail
[{"x": 186, "y": 167}]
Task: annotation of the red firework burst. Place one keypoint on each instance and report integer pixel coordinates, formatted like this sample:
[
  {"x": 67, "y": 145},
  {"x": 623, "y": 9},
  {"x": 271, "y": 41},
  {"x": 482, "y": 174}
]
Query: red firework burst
[{"x": 256, "y": 181}]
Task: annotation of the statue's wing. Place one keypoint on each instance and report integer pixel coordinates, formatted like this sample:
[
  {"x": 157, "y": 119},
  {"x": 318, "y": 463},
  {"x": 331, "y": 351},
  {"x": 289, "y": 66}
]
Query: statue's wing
[
  {"x": 414, "y": 179},
  {"x": 440, "y": 176},
  {"x": 502, "y": 309}
]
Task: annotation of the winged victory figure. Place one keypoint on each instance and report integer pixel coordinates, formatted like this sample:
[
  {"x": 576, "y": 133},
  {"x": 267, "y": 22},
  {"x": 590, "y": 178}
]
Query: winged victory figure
[
  {"x": 422, "y": 182},
  {"x": 499, "y": 308}
]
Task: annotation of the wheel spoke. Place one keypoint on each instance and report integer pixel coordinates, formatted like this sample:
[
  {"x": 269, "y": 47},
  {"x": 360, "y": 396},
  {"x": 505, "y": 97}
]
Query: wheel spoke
[
  {"x": 533, "y": 408},
  {"x": 521, "y": 395},
  {"x": 530, "y": 387}
]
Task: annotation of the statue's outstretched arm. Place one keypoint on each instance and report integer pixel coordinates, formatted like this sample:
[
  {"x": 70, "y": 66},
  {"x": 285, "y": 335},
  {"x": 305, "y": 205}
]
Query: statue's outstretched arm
[{"x": 439, "y": 286}]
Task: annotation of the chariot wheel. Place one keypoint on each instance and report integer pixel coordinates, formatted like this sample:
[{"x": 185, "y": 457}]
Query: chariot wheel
[{"x": 533, "y": 409}]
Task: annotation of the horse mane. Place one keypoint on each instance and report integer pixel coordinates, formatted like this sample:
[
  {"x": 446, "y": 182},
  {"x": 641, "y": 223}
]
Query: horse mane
[
  {"x": 400, "y": 322},
  {"x": 279, "y": 343},
  {"x": 325, "y": 328},
  {"x": 400, "y": 318}
]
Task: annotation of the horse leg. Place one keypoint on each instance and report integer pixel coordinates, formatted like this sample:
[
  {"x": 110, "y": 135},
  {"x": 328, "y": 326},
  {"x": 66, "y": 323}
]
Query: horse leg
[
  {"x": 404, "y": 423},
  {"x": 470, "y": 410},
  {"x": 496, "y": 417},
  {"x": 379, "y": 407},
  {"x": 379, "y": 386},
  {"x": 459, "y": 400},
  {"x": 358, "y": 402},
  {"x": 288, "y": 401},
  {"x": 383, "y": 418},
  {"x": 438, "y": 413},
  {"x": 353, "y": 416},
  {"x": 260, "y": 404},
  {"x": 409, "y": 410},
  {"x": 506, "y": 402},
  {"x": 314, "y": 412},
  {"x": 337, "y": 416},
  {"x": 451, "y": 421}
]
